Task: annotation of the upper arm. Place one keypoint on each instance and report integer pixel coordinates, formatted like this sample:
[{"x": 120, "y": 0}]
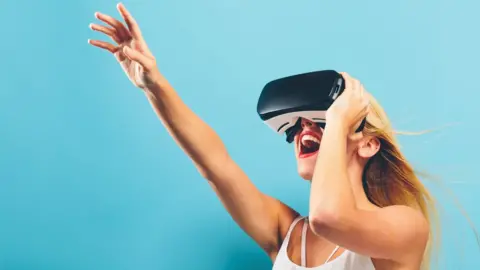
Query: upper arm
[
  {"x": 258, "y": 214},
  {"x": 387, "y": 233}
]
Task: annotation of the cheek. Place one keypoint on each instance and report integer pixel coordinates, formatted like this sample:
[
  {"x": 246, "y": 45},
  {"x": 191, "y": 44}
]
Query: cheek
[{"x": 295, "y": 148}]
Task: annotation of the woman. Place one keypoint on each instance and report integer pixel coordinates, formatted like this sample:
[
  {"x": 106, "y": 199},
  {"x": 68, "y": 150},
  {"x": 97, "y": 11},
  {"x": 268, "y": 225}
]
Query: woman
[{"x": 368, "y": 210}]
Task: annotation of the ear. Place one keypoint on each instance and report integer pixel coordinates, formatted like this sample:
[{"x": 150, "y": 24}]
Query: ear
[{"x": 368, "y": 147}]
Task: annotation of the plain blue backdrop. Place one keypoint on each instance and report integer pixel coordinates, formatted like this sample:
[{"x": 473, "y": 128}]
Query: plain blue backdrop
[{"x": 89, "y": 179}]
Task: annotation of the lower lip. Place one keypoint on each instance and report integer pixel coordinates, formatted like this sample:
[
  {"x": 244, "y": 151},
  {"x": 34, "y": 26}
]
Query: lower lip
[{"x": 308, "y": 155}]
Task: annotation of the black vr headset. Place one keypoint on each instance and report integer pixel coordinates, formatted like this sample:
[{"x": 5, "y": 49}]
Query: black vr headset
[{"x": 283, "y": 102}]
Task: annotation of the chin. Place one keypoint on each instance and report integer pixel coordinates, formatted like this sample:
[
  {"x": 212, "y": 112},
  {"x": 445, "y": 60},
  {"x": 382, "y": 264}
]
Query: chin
[
  {"x": 306, "y": 175},
  {"x": 306, "y": 167}
]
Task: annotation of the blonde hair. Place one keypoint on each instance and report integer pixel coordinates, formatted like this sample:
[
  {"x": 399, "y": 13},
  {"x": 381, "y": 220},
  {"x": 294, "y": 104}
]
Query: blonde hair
[{"x": 389, "y": 179}]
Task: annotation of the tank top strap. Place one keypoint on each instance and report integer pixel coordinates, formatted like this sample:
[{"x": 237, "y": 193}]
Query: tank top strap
[
  {"x": 290, "y": 229},
  {"x": 333, "y": 253},
  {"x": 303, "y": 247}
]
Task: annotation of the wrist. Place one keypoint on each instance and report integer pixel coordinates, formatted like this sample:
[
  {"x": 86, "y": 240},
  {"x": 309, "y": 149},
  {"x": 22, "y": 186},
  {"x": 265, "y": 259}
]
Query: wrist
[
  {"x": 157, "y": 87},
  {"x": 337, "y": 125}
]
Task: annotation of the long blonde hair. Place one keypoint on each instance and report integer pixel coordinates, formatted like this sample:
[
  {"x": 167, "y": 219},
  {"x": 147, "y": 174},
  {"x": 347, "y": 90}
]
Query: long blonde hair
[{"x": 389, "y": 179}]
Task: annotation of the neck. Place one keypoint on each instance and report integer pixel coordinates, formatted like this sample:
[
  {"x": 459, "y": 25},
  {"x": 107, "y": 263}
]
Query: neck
[{"x": 355, "y": 174}]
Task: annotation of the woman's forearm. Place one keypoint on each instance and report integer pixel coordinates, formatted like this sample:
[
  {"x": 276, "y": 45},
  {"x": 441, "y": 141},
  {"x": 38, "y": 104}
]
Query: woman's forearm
[
  {"x": 331, "y": 192},
  {"x": 191, "y": 133}
]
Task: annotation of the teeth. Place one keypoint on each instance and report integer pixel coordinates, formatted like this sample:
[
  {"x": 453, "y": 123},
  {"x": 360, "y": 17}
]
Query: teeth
[{"x": 306, "y": 138}]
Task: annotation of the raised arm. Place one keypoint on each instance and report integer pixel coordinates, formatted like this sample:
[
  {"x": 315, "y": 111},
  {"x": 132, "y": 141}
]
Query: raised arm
[
  {"x": 396, "y": 232},
  {"x": 257, "y": 214}
]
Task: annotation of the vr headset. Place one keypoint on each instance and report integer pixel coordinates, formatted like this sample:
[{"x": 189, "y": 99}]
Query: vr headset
[{"x": 283, "y": 102}]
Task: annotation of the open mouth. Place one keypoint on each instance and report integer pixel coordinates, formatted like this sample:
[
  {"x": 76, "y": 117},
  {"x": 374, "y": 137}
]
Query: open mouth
[{"x": 309, "y": 144}]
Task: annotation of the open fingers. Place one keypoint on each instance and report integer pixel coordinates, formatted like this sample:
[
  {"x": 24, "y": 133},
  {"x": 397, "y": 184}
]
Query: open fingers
[
  {"x": 130, "y": 21},
  {"x": 109, "y": 31},
  {"x": 364, "y": 94},
  {"x": 348, "y": 80},
  {"x": 357, "y": 86},
  {"x": 104, "y": 45},
  {"x": 352, "y": 83},
  {"x": 122, "y": 32},
  {"x": 134, "y": 29}
]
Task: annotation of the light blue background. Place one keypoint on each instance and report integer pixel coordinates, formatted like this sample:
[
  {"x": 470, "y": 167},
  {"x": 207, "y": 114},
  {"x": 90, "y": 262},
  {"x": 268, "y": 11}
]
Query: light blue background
[{"x": 89, "y": 179}]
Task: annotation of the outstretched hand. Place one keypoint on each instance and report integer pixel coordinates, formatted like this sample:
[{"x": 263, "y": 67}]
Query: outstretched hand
[{"x": 130, "y": 49}]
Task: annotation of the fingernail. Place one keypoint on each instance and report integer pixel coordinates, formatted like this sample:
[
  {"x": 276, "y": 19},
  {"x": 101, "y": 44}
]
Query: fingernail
[
  {"x": 90, "y": 26},
  {"x": 97, "y": 14}
]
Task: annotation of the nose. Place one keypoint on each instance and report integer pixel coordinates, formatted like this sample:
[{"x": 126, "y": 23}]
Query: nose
[{"x": 307, "y": 123}]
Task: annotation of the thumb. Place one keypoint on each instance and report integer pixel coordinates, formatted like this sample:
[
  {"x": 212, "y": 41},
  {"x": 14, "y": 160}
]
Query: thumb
[
  {"x": 356, "y": 136},
  {"x": 147, "y": 63}
]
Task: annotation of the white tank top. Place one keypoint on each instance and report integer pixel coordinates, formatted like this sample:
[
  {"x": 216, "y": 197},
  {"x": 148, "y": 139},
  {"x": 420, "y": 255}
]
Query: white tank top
[{"x": 347, "y": 261}]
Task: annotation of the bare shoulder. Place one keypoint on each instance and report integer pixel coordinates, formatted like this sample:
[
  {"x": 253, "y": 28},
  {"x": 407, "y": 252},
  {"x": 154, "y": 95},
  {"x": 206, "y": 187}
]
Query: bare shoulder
[
  {"x": 285, "y": 218},
  {"x": 286, "y": 215}
]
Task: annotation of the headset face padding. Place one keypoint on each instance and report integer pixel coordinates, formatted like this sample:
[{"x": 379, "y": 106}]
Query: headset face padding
[{"x": 283, "y": 102}]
